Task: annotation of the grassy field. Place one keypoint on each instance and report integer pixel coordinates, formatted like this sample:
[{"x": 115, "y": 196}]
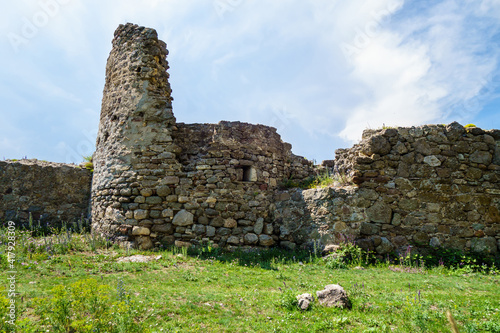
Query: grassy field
[{"x": 73, "y": 282}]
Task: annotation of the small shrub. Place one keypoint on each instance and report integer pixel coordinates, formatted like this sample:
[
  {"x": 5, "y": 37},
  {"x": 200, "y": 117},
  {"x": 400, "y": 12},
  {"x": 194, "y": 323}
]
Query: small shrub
[
  {"x": 335, "y": 261},
  {"x": 470, "y": 125},
  {"x": 88, "y": 163},
  {"x": 348, "y": 254}
]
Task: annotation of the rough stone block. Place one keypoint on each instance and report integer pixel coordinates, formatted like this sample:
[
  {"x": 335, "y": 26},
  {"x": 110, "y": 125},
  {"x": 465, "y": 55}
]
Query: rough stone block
[
  {"x": 210, "y": 231},
  {"x": 140, "y": 231},
  {"x": 140, "y": 214},
  {"x": 259, "y": 226},
  {"x": 230, "y": 223},
  {"x": 251, "y": 238},
  {"x": 379, "y": 212},
  {"x": 183, "y": 218},
  {"x": 166, "y": 228},
  {"x": 333, "y": 296},
  {"x": 266, "y": 240},
  {"x": 199, "y": 229}
]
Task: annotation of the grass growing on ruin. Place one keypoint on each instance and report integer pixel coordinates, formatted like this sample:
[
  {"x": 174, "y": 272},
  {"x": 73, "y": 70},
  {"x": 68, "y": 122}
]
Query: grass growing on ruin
[
  {"x": 88, "y": 163},
  {"x": 323, "y": 179},
  {"x": 81, "y": 287}
]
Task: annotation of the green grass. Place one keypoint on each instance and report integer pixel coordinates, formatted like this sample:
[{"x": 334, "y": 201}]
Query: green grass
[
  {"x": 77, "y": 285},
  {"x": 324, "y": 179},
  {"x": 88, "y": 163}
]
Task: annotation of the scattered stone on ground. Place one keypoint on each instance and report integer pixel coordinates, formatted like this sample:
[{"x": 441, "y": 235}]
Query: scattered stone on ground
[
  {"x": 139, "y": 258},
  {"x": 332, "y": 248},
  {"x": 305, "y": 301},
  {"x": 333, "y": 295}
]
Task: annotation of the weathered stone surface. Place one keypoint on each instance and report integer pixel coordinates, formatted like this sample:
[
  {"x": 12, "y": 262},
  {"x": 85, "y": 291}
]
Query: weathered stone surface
[
  {"x": 210, "y": 231},
  {"x": 421, "y": 238},
  {"x": 432, "y": 160},
  {"x": 421, "y": 184},
  {"x": 53, "y": 192},
  {"x": 333, "y": 296},
  {"x": 484, "y": 245},
  {"x": 140, "y": 231},
  {"x": 179, "y": 243},
  {"x": 183, "y": 218},
  {"x": 170, "y": 180},
  {"x": 233, "y": 240},
  {"x": 369, "y": 228},
  {"x": 251, "y": 238},
  {"x": 230, "y": 223},
  {"x": 330, "y": 249},
  {"x": 305, "y": 301},
  {"x": 379, "y": 212},
  {"x": 481, "y": 157},
  {"x": 376, "y": 145},
  {"x": 385, "y": 246},
  {"x": 435, "y": 242},
  {"x": 288, "y": 245},
  {"x": 144, "y": 242},
  {"x": 141, "y": 214},
  {"x": 259, "y": 226},
  {"x": 163, "y": 191},
  {"x": 199, "y": 229},
  {"x": 266, "y": 240},
  {"x": 165, "y": 228}
]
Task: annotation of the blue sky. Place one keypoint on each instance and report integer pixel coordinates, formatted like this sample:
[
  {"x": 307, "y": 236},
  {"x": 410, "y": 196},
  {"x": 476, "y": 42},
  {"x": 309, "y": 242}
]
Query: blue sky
[{"x": 319, "y": 71}]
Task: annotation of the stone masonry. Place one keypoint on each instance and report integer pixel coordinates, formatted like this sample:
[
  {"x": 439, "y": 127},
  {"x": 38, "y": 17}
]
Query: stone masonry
[
  {"x": 160, "y": 182},
  {"x": 426, "y": 186},
  {"x": 51, "y": 192}
]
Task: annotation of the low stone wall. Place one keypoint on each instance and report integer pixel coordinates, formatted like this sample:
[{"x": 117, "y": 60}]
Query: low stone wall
[
  {"x": 50, "y": 192},
  {"x": 422, "y": 186}
]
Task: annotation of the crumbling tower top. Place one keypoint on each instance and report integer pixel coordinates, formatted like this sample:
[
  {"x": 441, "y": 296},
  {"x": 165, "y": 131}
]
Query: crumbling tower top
[{"x": 137, "y": 65}]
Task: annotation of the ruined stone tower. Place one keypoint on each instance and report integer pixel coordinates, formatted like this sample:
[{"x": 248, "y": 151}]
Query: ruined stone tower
[
  {"x": 135, "y": 130},
  {"x": 160, "y": 182}
]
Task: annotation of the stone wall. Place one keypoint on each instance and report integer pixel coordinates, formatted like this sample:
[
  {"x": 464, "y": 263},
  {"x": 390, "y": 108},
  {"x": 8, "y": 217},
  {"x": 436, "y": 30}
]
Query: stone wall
[
  {"x": 160, "y": 182},
  {"x": 51, "y": 192},
  {"x": 432, "y": 185}
]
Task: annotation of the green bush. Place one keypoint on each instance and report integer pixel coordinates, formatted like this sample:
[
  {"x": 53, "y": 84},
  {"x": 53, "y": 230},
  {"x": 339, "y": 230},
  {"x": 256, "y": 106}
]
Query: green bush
[{"x": 348, "y": 254}]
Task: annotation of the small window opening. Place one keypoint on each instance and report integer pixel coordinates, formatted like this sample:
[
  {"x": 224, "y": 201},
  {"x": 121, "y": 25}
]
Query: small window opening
[
  {"x": 249, "y": 173},
  {"x": 246, "y": 173}
]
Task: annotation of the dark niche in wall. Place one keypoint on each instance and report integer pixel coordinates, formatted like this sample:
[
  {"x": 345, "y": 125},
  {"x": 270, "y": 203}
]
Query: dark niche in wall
[{"x": 246, "y": 173}]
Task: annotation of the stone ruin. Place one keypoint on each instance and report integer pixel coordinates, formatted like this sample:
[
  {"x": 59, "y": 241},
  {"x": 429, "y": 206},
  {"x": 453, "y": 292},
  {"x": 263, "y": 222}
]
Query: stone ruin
[{"x": 159, "y": 182}]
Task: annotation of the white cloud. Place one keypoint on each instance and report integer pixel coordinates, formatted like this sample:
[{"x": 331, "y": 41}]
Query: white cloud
[{"x": 425, "y": 72}]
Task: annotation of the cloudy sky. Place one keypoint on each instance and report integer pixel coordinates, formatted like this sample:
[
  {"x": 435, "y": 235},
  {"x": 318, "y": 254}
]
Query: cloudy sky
[{"x": 319, "y": 71}]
